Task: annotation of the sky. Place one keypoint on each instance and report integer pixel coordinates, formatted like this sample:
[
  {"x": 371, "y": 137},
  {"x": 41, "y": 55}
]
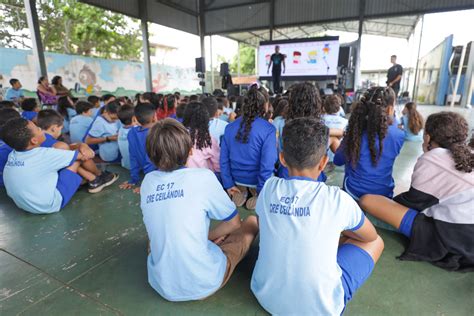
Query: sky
[{"x": 376, "y": 50}]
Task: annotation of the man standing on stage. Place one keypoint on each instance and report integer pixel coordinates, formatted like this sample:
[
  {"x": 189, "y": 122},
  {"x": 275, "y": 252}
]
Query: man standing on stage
[
  {"x": 394, "y": 75},
  {"x": 277, "y": 60}
]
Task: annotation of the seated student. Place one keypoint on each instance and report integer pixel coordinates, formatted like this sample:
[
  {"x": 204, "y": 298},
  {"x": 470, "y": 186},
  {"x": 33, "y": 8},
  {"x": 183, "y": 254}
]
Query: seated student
[
  {"x": 6, "y": 114},
  {"x": 49, "y": 176},
  {"x": 67, "y": 110},
  {"x": 51, "y": 122},
  {"x": 180, "y": 111},
  {"x": 436, "y": 214},
  {"x": 81, "y": 123},
  {"x": 304, "y": 266},
  {"x": 29, "y": 108},
  {"x": 206, "y": 150},
  {"x": 331, "y": 118},
  {"x": 187, "y": 261},
  {"x": 412, "y": 123},
  {"x": 15, "y": 93},
  {"x": 375, "y": 142},
  {"x": 4, "y": 104},
  {"x": 139, "y": 160},
  {"x": 104, "y": 132},
  {"x": 167, "y": 108},
  {"x": 126, "y": 115},
  {"x": 95, "y": 101},
  {"x": 279, "y": 115},
  {"x": 216, "y": 125},
  {"x": 248, "y": 151}
]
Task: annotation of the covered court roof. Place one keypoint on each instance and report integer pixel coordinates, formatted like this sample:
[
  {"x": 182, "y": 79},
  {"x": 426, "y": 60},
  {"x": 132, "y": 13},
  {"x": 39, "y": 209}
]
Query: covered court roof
[{"x": 251, "y": 21}]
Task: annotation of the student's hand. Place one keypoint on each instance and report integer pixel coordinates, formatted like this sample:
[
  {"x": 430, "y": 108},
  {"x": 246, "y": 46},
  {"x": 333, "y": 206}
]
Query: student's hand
[
  {"x": 136, "y": 190},
  {"x": 86, "y": 151},
  {"x": 113, "y": 138},
  {"x": 126, "y": 186},
  {"x": 233, "y": 190},
  {"x": 220, "y": 240}
]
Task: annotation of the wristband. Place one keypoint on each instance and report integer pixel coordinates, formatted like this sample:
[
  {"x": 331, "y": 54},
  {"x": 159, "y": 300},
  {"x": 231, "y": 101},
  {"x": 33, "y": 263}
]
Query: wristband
[{"x": 107, "y": 139}]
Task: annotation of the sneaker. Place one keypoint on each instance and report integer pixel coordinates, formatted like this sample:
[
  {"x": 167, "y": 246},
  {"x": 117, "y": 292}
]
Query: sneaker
[{"x": 102, "y": 181}]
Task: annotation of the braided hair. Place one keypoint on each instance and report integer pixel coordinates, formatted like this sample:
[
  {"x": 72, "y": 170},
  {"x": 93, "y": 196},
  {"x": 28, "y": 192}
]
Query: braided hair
[
  {"x": 451, "y": 131},
  {"x": 370, "y": 115},
  {"x": 196, "y": 120},
  {"x": 304, "y": 101},
  {"x": 253, "y": 107}
]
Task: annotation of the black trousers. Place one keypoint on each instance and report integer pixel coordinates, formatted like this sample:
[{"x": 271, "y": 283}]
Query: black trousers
[{"x": 276, "y": 79}]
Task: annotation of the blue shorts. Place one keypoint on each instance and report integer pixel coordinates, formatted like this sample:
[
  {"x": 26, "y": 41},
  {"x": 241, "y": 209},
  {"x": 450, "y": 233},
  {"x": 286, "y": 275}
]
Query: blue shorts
[
  {"x": 356, "y": 265},
  {"x": 68, "y": 183},
  {"x": 407, "y": 222}
]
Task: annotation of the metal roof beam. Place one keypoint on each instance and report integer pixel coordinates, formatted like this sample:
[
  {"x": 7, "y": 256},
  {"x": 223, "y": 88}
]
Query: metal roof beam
[
  {"x": 237, "y": 5},
  {"x": 178, "y": 7}
]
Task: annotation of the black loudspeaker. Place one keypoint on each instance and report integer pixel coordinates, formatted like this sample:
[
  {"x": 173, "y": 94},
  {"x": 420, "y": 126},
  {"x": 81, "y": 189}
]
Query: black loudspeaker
[
  {"x": 200, "y": 64},
  {"x": 224, "y": 69},
  {"x": 344, "y": 57}
]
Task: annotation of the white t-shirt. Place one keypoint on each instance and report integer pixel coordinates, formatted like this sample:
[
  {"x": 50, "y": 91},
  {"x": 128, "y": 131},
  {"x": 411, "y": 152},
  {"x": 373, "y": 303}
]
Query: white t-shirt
[
  {"x": 217, "y": 128},
  {"x": 177, "y": 208},
  {"x": 300, "y": 225},
  {"x": 31, "y": 178}
]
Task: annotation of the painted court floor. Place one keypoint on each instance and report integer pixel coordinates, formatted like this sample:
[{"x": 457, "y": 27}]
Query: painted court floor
[{"x": 90, "y": 259}]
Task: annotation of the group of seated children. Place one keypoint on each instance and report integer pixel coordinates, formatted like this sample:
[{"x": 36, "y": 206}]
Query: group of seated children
[{"x": 198, "y": 167}]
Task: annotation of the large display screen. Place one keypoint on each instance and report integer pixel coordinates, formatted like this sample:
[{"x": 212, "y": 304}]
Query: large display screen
[{"x": 309, "y": 58}]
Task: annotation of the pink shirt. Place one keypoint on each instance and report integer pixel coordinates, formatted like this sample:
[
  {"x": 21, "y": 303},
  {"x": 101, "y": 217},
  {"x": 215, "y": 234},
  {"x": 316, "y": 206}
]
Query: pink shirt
[{"x": 206, "y": 158}]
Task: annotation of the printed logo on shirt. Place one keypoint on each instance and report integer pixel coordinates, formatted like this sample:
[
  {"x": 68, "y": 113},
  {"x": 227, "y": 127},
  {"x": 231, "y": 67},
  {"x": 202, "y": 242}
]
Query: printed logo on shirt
[
  {"x": 15, "y": 163},
  {"x": 165, "y": 191},
  {"x": 287, "y": 206}
]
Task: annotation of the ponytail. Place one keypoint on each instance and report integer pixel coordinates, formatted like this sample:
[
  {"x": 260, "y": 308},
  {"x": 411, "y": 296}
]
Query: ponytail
[{"x": 415, "y": 120}]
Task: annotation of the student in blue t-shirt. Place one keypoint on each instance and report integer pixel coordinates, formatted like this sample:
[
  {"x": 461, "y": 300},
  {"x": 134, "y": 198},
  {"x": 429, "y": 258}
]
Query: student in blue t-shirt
[
  {"x": 6, "y": 114},
  {"x": 51, "y": 122},
  {"x": 139, "y": 160},
  {"x": 15, "y": 93},
  {"x": 216, "y": 125},
  {"x": 81, "y": 123},
  {"x": 248, "y": 151},
  {"x": 29, "y": 108},
  {"x": 375, "y": 142},
  {"x": 126, "y": 115},
  {"x": 104, "y": 132},
  {"x": 187, "y": 261},
  {"x": 67, "y": 109},
  {"x": 412, "y": 123},
  {"x": 304, "y": 266},
  {"x": 40, "y": 180}
]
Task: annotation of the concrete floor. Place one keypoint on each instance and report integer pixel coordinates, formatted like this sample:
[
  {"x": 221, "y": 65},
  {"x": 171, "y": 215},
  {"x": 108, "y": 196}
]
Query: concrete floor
[{"x": 90, "y": 259}]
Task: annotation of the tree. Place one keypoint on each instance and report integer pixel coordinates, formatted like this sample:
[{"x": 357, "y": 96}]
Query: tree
[
  {"x": 247, "y": 61},
  {"x": 70, "y": 27}
]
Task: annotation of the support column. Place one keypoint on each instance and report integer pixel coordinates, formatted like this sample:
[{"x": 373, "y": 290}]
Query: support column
[
  {"x": 33, "y": 25},
  {"x": 357, "y": 75},
  {"x": 468, "y": 80},
  {"x": 201, "y": 28},
  {"x": 142, "y": 7},
  {"x": 212, "y": 63},
  {"x": 458, "y": 76},
  {"x": 272, "y": 18},
  {"x": 238, "y": 59},
  {"x": 415, "y": 84}
]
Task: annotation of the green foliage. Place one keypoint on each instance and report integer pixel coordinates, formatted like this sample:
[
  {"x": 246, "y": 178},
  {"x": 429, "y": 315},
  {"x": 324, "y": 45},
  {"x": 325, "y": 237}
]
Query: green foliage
[
  {"x": 247, "y": 61},
  {"x": 70, "y": 27}
]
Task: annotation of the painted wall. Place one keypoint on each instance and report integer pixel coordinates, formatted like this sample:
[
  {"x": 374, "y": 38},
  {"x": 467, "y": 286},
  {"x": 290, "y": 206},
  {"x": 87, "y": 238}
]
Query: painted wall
[{"x": 95, "y": 75}]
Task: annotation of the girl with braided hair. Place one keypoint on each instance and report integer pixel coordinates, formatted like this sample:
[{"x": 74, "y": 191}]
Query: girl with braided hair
[
  {"x": 436, "y": 214},
  {"x": 412, "y": 123},
  {"x": 206, "y": 151},
  {"x": 248, "y": 151},
  {"x": 371, "y": 145}
]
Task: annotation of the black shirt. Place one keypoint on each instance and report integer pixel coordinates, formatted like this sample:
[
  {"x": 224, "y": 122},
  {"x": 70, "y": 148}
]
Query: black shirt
[
  {"x": 277, "y": 59},
  {"x": 392, "y": 73}
]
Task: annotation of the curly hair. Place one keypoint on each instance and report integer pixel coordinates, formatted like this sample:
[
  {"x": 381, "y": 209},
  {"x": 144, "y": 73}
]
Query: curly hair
[
  {"x": 304, "y": 101},
  {"x": 281, "y": 107},
  {"x": 451, "y": 131},
  {"x": 253, "y": 107},
  {"x": 196, "y": 120},
  {"x": 369, "y": 115},
  {"x": 415, "y": 120}
]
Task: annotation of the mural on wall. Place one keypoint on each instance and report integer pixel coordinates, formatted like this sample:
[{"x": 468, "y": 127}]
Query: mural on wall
[{"x": 94, "y": 75}]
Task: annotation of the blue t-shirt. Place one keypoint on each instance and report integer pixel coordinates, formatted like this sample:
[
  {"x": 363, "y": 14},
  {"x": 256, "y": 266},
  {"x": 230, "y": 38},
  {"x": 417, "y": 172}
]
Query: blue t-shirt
[
  {"x": 31, "y": 178},
  {"x": 108, "y": 151},
  {"x": 217, "y": 128},
  {"x": 71, "y": 113},
  {"x": 29, "y": 115},
  {"x": 366, "y": 178},
  {"x": 408, "y": 133},
  {"x": 78, "y": 127},
  {"x": 177, "y": 208},
  {"x": 139, "y": 160},
  {"x": 5, "y": 150},
  {"x": 300, "y": 224},
  {"x": 13, "y": 94},
  {"x": 49, "y": 141},
  {"x": 250, "y": 163},
  {"x": 123, "y": 146}
]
